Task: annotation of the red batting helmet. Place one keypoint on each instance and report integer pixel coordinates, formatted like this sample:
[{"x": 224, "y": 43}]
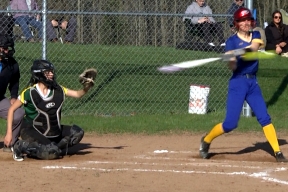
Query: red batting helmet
[{"x": 242, "y": 13}]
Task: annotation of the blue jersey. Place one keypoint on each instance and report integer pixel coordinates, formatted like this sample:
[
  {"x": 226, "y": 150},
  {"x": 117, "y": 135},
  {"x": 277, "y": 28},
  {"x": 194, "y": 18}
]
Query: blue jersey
[{"x": 243, "y": 67}]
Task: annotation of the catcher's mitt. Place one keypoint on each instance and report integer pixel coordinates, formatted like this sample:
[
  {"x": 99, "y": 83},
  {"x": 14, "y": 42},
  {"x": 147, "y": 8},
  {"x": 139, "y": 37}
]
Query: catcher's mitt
[{"x": 87, "y": 77}]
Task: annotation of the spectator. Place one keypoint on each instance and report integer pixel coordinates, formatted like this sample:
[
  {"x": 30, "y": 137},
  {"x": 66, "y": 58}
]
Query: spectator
[
  {"x": 26, "y": 19},
  {"x": 234, "y": 7},
  {"x": 68, "y": 25},
  {"x": 207, "y": 25},
  {"x": 277, "y": 35}
]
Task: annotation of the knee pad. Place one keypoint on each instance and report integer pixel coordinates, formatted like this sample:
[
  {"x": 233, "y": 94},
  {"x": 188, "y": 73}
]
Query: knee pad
[
  {"x": 76, "y": 135},
  {"x": 46, "y": 152},
  {"x": 64, "y": 142}
]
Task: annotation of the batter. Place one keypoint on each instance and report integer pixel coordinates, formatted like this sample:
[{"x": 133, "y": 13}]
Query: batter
[{"x": 243, "y": 86}]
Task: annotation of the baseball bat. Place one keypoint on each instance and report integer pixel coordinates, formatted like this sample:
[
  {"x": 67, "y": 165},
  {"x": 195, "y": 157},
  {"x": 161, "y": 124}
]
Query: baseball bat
[
  {"x": 247, "y": 56},
  {"x": 186, "y": 64}
]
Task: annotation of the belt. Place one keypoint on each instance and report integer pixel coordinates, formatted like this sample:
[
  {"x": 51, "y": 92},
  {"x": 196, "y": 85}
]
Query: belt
[{"x": 247, "y": 76}]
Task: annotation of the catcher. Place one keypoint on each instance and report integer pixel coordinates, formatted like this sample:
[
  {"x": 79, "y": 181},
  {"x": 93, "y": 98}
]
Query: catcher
[{"x": 43, "y": 136}]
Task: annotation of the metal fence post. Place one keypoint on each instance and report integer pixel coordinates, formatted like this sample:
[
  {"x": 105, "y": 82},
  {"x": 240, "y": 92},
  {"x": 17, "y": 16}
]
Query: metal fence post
[
  {"x": 246, "y": 110},
  {"x": 44, "y": 21}
]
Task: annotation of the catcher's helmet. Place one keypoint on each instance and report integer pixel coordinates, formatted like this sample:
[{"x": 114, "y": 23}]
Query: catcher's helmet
[
  {"x": 241, "y": 14},
  {"x": 6, "y": 42},
  {"x": 38, "y": 68}
]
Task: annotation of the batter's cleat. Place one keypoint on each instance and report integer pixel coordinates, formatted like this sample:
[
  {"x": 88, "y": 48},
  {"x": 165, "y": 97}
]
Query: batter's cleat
[
  {"x": 280, "y": 157},
  {"x": 204, "y": 148},
  {"x": 7, "y": 149},
  {"x": 17, "y": 154}
]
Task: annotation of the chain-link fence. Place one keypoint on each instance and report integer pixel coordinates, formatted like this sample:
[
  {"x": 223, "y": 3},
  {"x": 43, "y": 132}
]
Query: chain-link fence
[{"x": 126, "y": 41}]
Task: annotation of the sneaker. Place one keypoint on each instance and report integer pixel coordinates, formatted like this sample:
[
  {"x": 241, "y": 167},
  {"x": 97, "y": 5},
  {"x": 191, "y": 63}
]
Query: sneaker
[
  {"x": 280, "y": 157},
  {"x": 17, "y": 154},
  {"x": 31, "y": 40},
  {"x": 284, "y": 54},
  {"x": 7, "y": 149},
  {"x": 223, "y": 44},
  {"x": 211, "y": 44},
  {"x": 204, "y": 148}
]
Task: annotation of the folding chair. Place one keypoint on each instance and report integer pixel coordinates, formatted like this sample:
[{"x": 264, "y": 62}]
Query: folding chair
[{"x": 284, "y": 16}]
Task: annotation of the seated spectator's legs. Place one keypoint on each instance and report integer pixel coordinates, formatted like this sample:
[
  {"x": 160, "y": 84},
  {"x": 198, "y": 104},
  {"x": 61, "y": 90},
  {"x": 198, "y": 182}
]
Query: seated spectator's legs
[
  {"x": 51, "y": 33},
  {"x": 71, "y": 30},
  {"x": 38, "y": 25},
  {"x": 270, "y": 46},
  {"x": 23, "y": 21},
  {"x": 285, "y": 49},
  {"x": 205, "y": 28},
  {"x": 217, "y": 31},
  {"x": 211, "y": 31}
]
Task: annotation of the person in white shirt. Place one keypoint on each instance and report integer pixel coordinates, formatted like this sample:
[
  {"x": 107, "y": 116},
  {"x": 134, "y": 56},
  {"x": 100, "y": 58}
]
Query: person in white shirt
[{"x": 206, "y": 24}]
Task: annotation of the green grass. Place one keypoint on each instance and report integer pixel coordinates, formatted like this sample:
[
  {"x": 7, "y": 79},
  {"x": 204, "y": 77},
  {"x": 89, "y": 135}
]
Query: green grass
[
  {"x": 130, "y": 96},
  {"x": 128, "y": 81}
]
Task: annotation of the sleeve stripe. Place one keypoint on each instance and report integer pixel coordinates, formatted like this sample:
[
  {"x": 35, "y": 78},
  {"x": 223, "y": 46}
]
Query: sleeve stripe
[
  {"x": 258, "y": 41},
  {"x": 22, "y": 99},
  {"x": 64, "y": 89}
]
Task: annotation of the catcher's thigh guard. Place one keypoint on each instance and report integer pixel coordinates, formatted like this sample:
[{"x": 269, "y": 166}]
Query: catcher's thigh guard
[{"x": 76, "y": 135}]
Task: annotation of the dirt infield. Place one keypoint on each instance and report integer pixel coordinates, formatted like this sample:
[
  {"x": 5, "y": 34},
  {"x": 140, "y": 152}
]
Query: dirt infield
[{"x": 239, "y": 162}]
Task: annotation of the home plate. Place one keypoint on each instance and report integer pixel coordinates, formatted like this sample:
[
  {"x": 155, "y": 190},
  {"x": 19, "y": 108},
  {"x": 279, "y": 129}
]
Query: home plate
[{"x": 161, "y": 151}]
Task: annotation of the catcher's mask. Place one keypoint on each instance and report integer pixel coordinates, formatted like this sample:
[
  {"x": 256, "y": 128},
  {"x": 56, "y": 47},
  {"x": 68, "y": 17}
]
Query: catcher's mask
[
  {"x": 38, "y": 68},
  {"x": 7, "y": 45}
]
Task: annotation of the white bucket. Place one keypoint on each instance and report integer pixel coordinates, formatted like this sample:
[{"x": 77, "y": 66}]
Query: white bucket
[
  {"x": 246, "y": 110},
  {"x": 198, "y": 99}
]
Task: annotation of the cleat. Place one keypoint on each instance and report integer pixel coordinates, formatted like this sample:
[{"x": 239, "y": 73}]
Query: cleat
[
  {"x": 204, "y": 148},
  {"x": 7, "y": 149},
  {"x": 280, "y": 157},
  {"x": 17, "y": 154}
]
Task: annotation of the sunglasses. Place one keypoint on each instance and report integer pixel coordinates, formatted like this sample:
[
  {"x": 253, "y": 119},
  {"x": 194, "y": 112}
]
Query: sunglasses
[
  {"x": 239, "y": 0},
  {"x": 276, "y": 17}
]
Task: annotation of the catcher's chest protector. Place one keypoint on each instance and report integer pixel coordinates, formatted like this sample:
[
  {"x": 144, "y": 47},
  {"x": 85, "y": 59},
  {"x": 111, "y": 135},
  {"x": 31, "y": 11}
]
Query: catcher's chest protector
[{"x": 47, "y": 122}]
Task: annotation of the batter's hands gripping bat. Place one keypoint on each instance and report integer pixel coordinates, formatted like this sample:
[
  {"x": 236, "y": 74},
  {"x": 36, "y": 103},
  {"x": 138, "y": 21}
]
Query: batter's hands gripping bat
[{"x": 247, "y": 56}]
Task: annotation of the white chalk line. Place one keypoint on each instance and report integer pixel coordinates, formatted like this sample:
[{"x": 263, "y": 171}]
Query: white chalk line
[
  {"x": 203, "y": 164},
  {"x": 261, "y": 175},
  {"x": 162, "y": 158},
  {"x": 166, "y": 151}
]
